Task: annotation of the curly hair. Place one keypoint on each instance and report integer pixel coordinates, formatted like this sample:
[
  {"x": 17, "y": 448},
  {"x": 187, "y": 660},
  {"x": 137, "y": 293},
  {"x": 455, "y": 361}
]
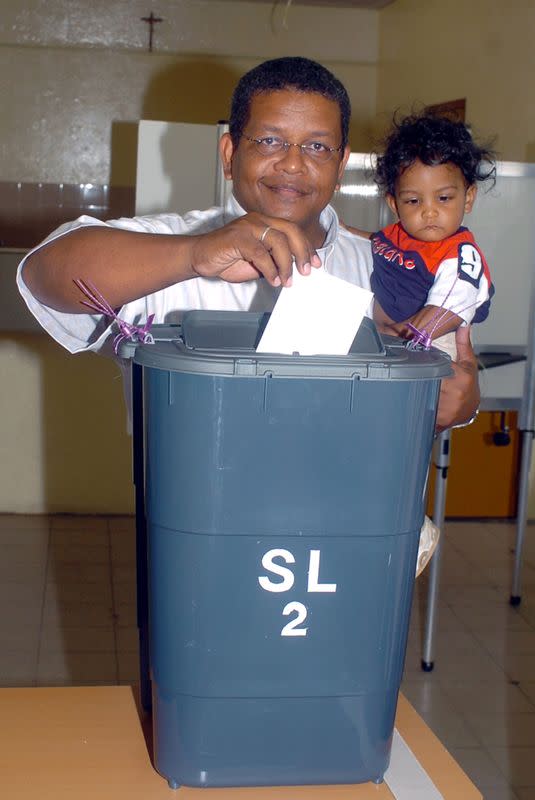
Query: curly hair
[
  {"x": 433, "y": 140},
  {"x": 290, "y": 72}
]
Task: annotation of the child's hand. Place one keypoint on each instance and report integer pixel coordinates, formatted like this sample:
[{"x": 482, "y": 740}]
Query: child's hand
[{"x": 434, "y": 320}]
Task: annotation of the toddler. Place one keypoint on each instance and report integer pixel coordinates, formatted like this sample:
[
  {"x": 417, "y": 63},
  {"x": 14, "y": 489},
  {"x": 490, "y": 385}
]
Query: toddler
[{"x": 429, "y": 276}]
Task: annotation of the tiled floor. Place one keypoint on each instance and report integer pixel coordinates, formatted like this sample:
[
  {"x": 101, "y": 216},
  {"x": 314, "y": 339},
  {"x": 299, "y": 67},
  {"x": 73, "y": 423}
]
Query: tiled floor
[{"x": 67, "y": 594}]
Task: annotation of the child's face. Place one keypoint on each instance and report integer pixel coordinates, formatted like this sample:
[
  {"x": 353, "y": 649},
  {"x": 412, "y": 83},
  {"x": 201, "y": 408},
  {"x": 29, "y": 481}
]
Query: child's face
[{"x": 431, "y": 202}]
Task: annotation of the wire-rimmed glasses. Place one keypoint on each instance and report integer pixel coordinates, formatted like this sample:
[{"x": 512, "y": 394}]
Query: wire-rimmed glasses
[{"x": 271, "y": 145}]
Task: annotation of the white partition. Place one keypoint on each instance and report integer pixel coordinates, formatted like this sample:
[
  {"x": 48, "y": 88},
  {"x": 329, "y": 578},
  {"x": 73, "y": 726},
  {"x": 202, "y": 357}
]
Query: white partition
[
  {"x": 176, "y": 167},
  {"x": 503, "y": 221}
]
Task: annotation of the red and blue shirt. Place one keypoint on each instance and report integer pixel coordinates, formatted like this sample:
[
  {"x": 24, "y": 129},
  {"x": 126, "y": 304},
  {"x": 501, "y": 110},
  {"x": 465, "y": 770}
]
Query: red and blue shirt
[{"x": 409, "y": 274}]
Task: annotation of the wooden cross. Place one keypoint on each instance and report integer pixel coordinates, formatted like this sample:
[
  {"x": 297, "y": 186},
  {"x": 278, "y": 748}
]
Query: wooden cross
[{"x": 151, "y": 21}]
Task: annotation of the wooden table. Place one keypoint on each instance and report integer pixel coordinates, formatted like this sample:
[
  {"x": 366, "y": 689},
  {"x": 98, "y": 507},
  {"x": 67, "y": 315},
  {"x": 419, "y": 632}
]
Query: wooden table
[{"x": 93, "y": 743}]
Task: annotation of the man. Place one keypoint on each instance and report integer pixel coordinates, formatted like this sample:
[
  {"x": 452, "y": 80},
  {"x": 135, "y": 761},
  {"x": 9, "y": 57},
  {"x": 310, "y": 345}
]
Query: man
[{"x": 285, "y": 152}]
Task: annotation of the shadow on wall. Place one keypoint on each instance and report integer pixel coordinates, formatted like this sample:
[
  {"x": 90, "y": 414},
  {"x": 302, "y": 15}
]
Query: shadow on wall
[{"x": 190, "y": 91}]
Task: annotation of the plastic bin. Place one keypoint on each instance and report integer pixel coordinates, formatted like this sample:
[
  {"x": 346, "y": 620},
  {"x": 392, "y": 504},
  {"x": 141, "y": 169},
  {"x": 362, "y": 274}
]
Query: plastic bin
[{"x": 284, "y": 499}]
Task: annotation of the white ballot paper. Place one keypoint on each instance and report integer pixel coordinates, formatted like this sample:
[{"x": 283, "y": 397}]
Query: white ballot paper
[{"x": 317, "y": 315}]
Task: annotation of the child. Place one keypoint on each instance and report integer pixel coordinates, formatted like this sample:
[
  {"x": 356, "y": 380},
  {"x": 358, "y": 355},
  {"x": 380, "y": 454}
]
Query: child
[{"x": 429, "y": 276}]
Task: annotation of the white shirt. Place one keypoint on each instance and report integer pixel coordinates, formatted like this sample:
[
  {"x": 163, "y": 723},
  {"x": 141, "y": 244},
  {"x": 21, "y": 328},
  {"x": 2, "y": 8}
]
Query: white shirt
[{"x": 343, "y": 254}]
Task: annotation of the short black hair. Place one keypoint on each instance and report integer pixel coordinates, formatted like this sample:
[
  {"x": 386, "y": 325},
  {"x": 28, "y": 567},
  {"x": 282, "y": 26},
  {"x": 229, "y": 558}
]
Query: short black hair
[
  {"x": 432, "y": 139},
  {"x": 290, "y": 72}
]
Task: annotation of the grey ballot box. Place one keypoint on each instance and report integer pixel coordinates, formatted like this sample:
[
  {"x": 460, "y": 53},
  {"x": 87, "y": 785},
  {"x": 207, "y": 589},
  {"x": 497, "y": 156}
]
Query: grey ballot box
[{"x": 284, "y": 497}]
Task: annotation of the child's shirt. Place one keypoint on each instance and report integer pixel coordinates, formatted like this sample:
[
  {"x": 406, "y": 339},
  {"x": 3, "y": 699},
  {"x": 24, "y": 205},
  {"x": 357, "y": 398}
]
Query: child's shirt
[{"x": 409, "y": 274}]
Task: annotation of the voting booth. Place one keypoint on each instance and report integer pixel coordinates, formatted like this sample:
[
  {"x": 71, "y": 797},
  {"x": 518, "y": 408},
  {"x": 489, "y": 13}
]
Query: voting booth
[{"x": 284, "y": 498}]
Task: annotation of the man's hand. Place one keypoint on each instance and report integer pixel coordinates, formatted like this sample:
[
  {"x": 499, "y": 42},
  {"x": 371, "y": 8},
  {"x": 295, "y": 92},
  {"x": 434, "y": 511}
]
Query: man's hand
[
  {"x": 126, "y": 265},
  {"x": 252, "y": 246},
  {"x": 459, "y": 395}
]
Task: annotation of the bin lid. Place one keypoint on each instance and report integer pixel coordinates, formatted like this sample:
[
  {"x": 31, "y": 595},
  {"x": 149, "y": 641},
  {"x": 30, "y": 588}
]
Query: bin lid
[{"x": 224, "y": 342}]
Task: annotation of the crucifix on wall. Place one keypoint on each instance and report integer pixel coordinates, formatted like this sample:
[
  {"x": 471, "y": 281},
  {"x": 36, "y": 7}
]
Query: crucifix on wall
[{"x": 151, "y": 22}]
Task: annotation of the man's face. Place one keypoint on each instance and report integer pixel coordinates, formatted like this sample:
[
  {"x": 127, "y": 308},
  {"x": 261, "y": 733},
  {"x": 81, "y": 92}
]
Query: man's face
[{"x": 288, "y": 184}]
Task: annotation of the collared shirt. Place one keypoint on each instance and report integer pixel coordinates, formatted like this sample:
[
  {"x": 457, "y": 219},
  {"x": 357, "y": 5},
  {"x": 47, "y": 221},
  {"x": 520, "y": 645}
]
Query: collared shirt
[{"x": 343, "y": 254}]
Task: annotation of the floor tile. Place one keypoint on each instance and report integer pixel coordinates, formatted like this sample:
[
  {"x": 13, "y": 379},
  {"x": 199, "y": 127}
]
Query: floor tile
[
  {"x": 500, "y": 643},
  {"x": 120, "y": 524},
  {"x": 446, "y": 620},
  {"x": 502, "y": 730},
  {"x": 124, "y": 593},
  {"x": 123, "y": 547},
  {"x": 78, "y": 640},
  {"x": 424, "y": 695},
  {"x": 454, "y": 645},
  {"x": 124, "y": 573},
  {"x": 516, "y": 764},
  {"x": 481, "y": 767},
  {"x": 76, "y": 615},
  {"x": 77, "y": 522},
  {"x": 501, "y": 794},
  {"x": 18, "y": 598},
  {"x": 473, "y": 597},
  {"x": 518, "y": 666},
  {"x": 458, "y": 657},
  {"x": 79, "y": 572},
  {"x": 85, "y": 536},
  {"x": 491, "y": 697},
  {"x": 18, "y": 668},
  {"x": 128, "y": 667},
  {"x": 500, "y": 575},
  {"x": 66, "y": 595},
  {"x": 526, "y": 609},
  {"x": 528, "y": 689},
  {"x": 15, "y": 568},
  {"x": 127, "y": 639},
  {"x": 26, "y": 522},
  {"x": 488, "y": 618},
  {"x": 455, "y": 570},
  {"x": 125, "y": 615},
  {"x": 450, "y": 727},
  {"x": 64, "y": 669},
  {"x": 33, "y": 540},
  {"x": 74, "y": 552},
  {"x": 18, "y": 638}
]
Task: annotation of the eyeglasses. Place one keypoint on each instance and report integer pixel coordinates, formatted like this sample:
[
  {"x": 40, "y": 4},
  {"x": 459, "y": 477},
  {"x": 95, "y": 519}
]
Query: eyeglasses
[{"x": 271, "y": 145}]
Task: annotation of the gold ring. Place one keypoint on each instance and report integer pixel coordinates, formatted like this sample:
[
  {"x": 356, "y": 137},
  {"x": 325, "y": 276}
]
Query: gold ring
[{"x": 265, "y": 233}]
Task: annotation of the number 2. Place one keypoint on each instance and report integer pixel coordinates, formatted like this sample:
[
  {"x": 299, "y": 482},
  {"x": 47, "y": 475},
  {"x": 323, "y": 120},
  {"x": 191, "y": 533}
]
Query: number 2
[{"x": 291, "y": 629}]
